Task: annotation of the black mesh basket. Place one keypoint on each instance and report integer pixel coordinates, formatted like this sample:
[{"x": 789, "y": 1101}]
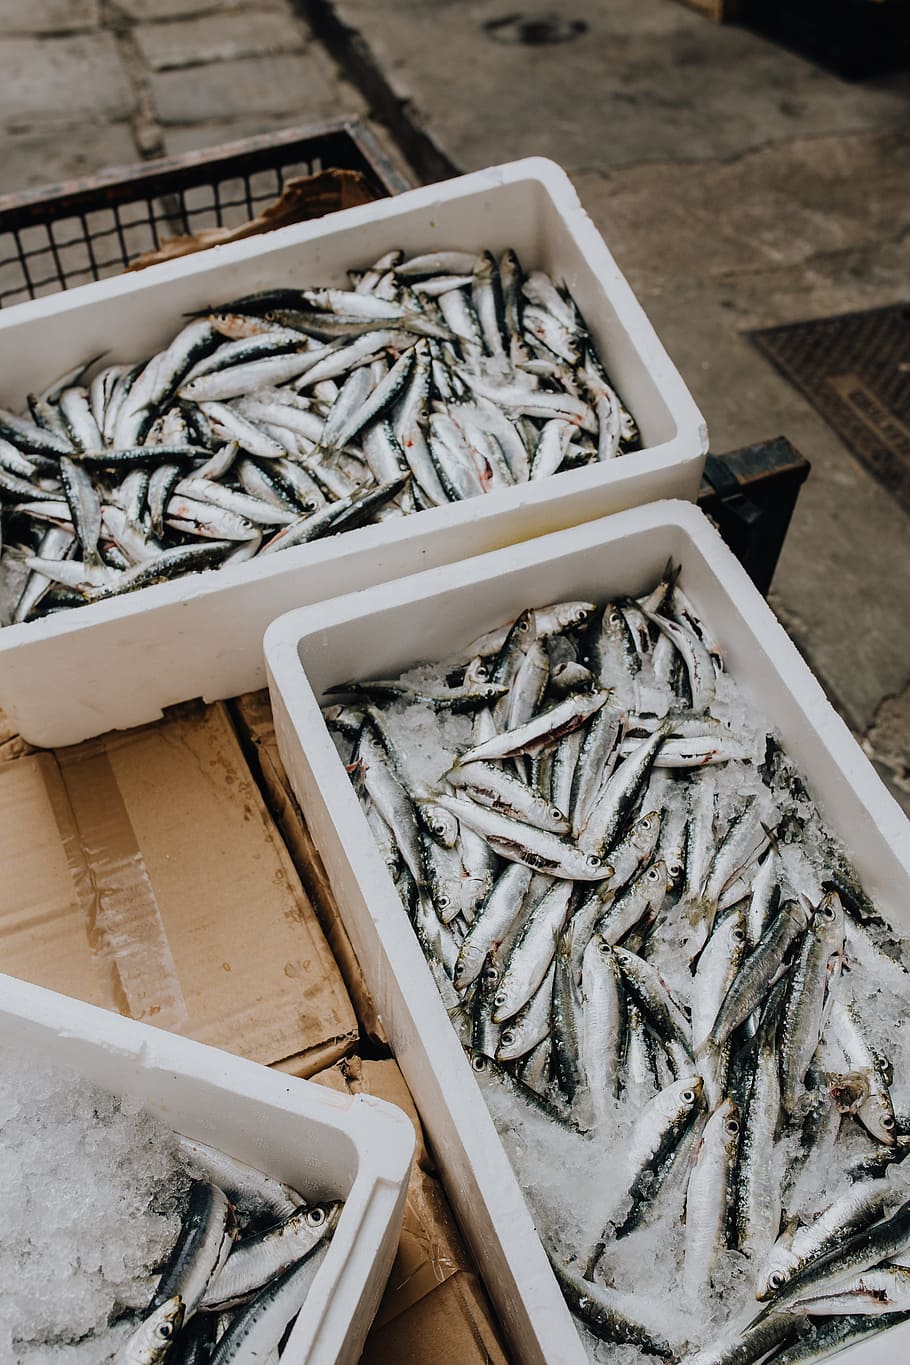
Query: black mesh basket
[{"x": 64, "y": 235}]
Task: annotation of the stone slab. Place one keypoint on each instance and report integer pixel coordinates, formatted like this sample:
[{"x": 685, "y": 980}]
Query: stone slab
[
  {"x": 281, "y": 86},
  {"x": 796, "y": 230},
  {"x": 61, "y": 80},
  {"x": 191, "y": 42},
  {"x": 190, "y": 137},
  {"x": 647, "y": 81},
  {"x": 48, "y": 16},
  {"x": 143, "y": 10},
  {"x": 32, "y": 159}
]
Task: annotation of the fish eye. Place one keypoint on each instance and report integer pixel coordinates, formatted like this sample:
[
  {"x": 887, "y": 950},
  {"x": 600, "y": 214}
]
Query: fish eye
[
  {"x": 828, "y": 912},
  {"x": 508, "y": 1038},
  {"x": 675, "y": 869},
  {"x": 688, "y": 1097},
  {"x": 491, "y": 973},
  {"x": 481, "y": 672},
  {"x": 479, "y": 1063},
  {"x": 166, "y": 1330},
  {"x": 732, "y": 1126},
  {"x": 490, "y": 691},
  {"x": 525, "y": 624},
  {"x": 316, "y": 1216},
  {"x": 499, "y": 999},
  {"x": 888, "y": 1122},
  {"x": 556, "y": 813},
  {"x": 653, "y": 874},
  {"x": 592, "y": 860},
  {"x": 645, "y": 823},
  {"x": 615, "y": 618},
  {"x": 776, "y": 1280},
  {"x": 443, "y": 902},
  {"x": 738, "y": 936}
]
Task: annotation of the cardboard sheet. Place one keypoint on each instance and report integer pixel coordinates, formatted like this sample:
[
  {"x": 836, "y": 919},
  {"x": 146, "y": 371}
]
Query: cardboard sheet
[
  {"x": 435, "y": 1310},
  {"x": 253, "y": 718},
  {"x": 143, "y": 872}
]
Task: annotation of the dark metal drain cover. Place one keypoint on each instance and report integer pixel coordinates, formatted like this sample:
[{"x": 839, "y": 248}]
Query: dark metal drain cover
[
  {"x": 855, "y": 369},
  {"x": 536, "y": 30}
]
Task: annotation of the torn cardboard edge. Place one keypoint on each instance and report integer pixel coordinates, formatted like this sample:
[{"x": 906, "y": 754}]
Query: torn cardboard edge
[
  {"x": 435, "y": 1308},
  {"x": 144, "y": 873},
  {"x": 252, "y": 715},
  {"x": 303, "y": 198}
]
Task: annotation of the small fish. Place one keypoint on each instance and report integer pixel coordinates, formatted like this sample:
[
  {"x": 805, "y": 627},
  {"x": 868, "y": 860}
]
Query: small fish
[{"x": 151, "y": 1343}]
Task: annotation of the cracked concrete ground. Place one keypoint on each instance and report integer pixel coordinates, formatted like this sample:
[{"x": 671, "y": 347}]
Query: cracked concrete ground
[{"x": 738, "y": 186}]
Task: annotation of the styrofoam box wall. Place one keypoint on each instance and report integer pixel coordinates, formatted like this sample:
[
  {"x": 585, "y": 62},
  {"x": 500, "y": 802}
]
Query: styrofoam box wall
[
  {"x": 426, "y": 618},
  {"x": 320, "y": 1142},
  {"x": 125, "y": 659}
]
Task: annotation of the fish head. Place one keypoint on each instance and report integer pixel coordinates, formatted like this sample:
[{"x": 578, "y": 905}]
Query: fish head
[
  {"x": 524, "y": 628},
  {"x": 511, "y": 1041},
  {"x": 324, "y": 1216},
  {"x": 876, "y": 1114},
  {"x": 734, "y": 926},
  {"x": 574, "y": 614},
  {"x": 657, "y": 877},
  {"x": 646, "y": 831},
  {"x": 613, "y": 624},
  {"x": 467, "y": 965},
  {"x": 160, "y": 1328},
  {"x": 728, "y": 1115},
  {"x": 441, "y": 823},
  {"x": 556, "y": 820},
  {"x": 828, "y": 921},
  {"x": 777, "y": 1271},
  {"x": 477, "y": 670},
  {"x": 684, "y": 1096},
  {"x": 491, "y": 971}
]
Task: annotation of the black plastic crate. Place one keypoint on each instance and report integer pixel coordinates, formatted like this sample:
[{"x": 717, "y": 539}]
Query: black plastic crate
[{"x": 64, "y": 235}]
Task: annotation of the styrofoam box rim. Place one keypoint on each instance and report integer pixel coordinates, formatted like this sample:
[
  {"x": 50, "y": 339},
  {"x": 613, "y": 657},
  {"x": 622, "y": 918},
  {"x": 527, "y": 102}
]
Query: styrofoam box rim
[
  {"x": 670, "y": 467},
  {"x": 314, "y": 639},
  {"x": 304, "y": 1127}
]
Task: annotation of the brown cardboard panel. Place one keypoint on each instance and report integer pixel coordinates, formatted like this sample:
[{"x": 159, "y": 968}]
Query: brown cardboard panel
[
  {"x": 253, "y": 717},
  {"x": 43, "y": 934},
  {"x": 434, "y": 1308},
  {"x": 451, "y": 1326},
  {"x": 160, "y": 887}
]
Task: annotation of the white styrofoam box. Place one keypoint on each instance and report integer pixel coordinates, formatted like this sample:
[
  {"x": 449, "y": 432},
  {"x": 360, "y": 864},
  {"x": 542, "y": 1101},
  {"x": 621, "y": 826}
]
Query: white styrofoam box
[
  {"x": 426, "y": 618},
  {"x": 113, "y": 664},
  {"x": 354, "y": 1148}
]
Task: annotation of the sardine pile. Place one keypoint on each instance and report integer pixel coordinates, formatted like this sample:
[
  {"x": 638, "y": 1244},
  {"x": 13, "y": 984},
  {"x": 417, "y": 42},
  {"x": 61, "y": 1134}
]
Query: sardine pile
[
  {"x": 128, "y": 1244},
  {"x": 294, "y": 414},
  {"x": 666, "y": 975},
  {"x": 239, "y": 1273}
]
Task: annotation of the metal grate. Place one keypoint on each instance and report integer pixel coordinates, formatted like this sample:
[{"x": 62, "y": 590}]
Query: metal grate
[{"x": 70, "y": 234}]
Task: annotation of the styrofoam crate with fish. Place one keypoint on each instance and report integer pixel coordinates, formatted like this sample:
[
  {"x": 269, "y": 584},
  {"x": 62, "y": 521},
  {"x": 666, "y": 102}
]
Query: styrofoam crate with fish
[
  {"x": 185, "y": 1204},
  {"x": 537, "y": 359},
  {"x": 762, "y": 820}
]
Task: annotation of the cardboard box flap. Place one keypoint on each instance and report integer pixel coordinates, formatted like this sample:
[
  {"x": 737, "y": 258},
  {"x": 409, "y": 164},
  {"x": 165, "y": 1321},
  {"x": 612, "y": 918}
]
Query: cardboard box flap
[
  {"x": 253, "y": 716},
  {"x": 434, "y": 1308},
  {"x": 170, "y": 884}
]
